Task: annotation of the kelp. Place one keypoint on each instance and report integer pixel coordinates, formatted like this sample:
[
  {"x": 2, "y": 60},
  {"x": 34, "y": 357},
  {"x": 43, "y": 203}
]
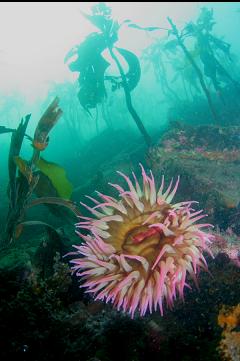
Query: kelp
[
  {"x": 44, "y": 187},
  {"x": 20, "y": 187},
  {"x": 92, "y": 66},
  {"x": 56, "y": 201},
  {"x": 24, "y": 175},
  {"x": 134, "y": 71},
  {"x": 200, "y": 61},
  {"x": 57, "y": 176},
  {"x": 4, "y": 129},
  {"x": 45, "y": 124},
  {"x": 180, "y": 38},
  {"x": 45, "y": 190},
  {"x": 37, "y": 223},
  {"x": 16, "y": 213},
  {"x": 15, "y": 147},
  {"x": 23, "y": 168},
  {"x": 208, "y": 47},
  {"x": 101, "y": 17},
  {"x": 90, "y": 63},
  {"x": 54, "y": 173},
  {"x": 146, "y": 28}
]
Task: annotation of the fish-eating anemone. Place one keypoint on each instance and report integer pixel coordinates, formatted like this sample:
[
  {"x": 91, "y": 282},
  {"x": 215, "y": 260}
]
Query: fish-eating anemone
[{"x": 140, "y": 247}]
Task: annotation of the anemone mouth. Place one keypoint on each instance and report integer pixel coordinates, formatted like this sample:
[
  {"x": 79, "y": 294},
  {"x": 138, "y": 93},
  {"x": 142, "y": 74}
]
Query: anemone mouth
[
  {"x": 139, "y": 249},
  {"x": 133, "y": 234}
]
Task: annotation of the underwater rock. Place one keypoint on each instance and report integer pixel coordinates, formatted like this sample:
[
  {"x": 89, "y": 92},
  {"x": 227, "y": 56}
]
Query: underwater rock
[
  {"x": 126, "y": 150},
  {"x": 208, "y": 164},
  {"x": 226, "y": 244},
  {"x": 36, "y": 254},
  {"x": 78, "y": 313},
  {"x": 43, "y": 259}
]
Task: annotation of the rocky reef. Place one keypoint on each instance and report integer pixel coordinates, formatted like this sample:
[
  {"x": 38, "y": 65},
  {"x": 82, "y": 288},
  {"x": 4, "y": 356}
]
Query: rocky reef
[{"x": 46, "y": 316}]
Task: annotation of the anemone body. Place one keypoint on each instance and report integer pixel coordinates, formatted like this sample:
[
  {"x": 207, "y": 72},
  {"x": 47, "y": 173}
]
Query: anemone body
[{"x": 140, "y": 248}]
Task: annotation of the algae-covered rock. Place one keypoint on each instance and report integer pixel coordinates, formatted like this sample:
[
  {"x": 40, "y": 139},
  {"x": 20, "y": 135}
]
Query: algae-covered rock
[
  {"x": 36, "y": 253},
  {"x": 208, "y": 164},
  {"x": 14, "y": 259}
]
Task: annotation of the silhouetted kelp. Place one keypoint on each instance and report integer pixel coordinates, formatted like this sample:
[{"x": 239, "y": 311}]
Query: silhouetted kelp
[
  {"x": 200, "y": 61},
  {"x": 92, "y": 66}
]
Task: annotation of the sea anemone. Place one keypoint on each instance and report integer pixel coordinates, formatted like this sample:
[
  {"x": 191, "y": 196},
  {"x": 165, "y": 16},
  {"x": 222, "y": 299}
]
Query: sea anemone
[{"x": 140, "y": 248}]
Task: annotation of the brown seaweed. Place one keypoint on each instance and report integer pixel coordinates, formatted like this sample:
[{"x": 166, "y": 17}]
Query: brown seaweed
[
  {"x": 23, "y": 177},
  {"x": 45, "y": 124}
]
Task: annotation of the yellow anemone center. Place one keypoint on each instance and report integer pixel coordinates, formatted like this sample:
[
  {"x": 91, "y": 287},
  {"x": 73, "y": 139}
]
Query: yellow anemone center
[{"x": 133, "y": 236}]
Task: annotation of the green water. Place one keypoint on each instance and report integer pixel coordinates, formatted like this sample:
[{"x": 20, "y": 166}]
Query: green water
[{"x": 88, "y": 90}]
